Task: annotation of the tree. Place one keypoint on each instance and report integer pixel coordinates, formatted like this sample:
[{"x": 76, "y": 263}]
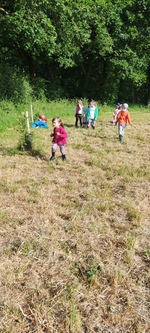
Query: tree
[
  {"x": 28, "y": 32},
  {"x": 84, "y": 47}
]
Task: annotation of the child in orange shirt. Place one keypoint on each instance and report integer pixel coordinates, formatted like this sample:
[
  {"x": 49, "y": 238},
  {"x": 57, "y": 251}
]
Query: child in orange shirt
[{"x": 123, "y": 118}]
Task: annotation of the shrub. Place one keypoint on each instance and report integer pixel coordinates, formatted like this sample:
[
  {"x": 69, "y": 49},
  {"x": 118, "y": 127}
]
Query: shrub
[{"x": 13, "y": 85}]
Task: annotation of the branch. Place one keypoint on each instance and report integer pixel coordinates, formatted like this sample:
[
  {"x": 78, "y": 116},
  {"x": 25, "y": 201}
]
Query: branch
[{"x": 3, "y": 10}]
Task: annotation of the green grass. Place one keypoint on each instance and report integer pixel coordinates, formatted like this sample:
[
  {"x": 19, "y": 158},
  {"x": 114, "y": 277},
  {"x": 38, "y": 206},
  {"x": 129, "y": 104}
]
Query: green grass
[{"x": 74, "y": 235}]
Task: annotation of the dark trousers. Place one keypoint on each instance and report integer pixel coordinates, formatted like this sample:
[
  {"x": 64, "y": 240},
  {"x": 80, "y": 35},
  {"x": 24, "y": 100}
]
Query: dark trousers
[{"x": 78, "y": 118}]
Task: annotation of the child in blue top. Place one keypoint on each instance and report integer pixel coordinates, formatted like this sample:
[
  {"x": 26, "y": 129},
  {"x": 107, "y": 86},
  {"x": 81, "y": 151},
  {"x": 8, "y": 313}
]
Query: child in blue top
[
  {"x": 92, "y": 114},
  {"x": 85, "y": 118}
]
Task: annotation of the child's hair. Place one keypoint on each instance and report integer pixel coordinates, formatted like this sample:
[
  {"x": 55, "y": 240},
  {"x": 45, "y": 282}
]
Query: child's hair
[
  {"x": 79, "y": 101},
  {"x": 92, "y": 102},
  {"x": 59, "y": 120}
]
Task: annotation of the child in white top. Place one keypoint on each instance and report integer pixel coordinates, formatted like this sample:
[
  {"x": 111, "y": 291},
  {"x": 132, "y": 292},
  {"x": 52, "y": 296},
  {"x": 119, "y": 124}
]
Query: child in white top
[
  {"x": 115, "y": 113},
  {"x": 78, "y": 113}
]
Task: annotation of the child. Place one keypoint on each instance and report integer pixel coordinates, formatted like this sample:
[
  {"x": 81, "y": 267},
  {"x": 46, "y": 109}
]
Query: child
[
  {"x": 59, "y": 138},
  {"x": 41, "y": 122},
  {"x": 92, "y": 114},
  {"x": 116, "y": 111},
  {"x": 78, "y": 113},
  {"x": 123, "y": 118},
  {"x": 85, "y": 119}
]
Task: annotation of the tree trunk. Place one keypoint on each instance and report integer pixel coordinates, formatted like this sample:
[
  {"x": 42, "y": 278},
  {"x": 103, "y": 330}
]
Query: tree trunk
[{"x": 32, "y": 68}]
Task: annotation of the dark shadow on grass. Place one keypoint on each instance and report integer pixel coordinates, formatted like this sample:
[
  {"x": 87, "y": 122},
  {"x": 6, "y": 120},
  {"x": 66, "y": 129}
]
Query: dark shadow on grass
[
  {"x": 69, "y": 125},
  {"x": 16, "y": 151}
]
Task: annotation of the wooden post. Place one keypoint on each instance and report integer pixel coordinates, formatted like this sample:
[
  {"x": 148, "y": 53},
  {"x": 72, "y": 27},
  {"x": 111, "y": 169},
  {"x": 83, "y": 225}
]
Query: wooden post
[
  {"x": 28, "y": 125},
  {"x": 31, "y": 112}
]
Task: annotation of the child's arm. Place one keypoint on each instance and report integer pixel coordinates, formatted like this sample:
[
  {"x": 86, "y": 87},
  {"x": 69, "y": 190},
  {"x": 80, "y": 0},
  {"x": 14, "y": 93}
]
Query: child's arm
[
  {"x": 62, "y": 134},
  {"x": 129, "y": 119},
  {"x": 96, "y": 113}
]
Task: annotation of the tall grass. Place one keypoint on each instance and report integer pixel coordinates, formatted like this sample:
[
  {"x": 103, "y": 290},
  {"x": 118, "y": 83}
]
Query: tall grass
[{"x": 10, "y": 113}]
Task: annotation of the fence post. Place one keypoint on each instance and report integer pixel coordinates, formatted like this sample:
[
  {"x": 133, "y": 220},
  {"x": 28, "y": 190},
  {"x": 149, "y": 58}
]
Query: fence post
[
  {"x": 28, "y": 124},
  {"x": 31, "y": 110}
]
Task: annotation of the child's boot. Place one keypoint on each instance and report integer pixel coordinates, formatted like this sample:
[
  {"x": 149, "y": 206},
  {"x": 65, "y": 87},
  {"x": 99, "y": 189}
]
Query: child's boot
[
  {"x": 63, "y": 157},
  {"x": 120, "y": 137},
  {"x": 53, "y": 156}
]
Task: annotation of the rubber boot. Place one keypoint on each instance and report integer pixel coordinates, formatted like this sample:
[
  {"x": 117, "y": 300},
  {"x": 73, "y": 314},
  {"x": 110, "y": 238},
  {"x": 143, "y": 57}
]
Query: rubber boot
[
  {"x": 53, "y": 156},
  {"x": 120, "y": 137},
  {"x": 63, "y": 157}
]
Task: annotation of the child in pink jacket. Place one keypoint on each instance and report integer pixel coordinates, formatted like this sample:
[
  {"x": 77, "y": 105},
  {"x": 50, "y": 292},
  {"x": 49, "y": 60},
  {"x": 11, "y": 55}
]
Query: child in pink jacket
[{"x": 59, "y": 138}]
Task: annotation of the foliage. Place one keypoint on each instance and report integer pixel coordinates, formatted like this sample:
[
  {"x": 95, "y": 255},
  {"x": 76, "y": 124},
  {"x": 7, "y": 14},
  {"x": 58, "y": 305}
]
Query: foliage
[
  {"x": 91, "y": 48},
  {"x": 13, "y": 85}
]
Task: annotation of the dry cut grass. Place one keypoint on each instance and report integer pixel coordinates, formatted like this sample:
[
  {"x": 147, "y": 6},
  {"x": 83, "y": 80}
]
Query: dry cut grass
[{"x": 74, "y": 235}]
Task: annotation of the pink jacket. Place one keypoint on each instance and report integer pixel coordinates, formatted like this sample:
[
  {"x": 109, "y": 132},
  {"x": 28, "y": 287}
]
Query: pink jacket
[{"x": 60, "y": 139}]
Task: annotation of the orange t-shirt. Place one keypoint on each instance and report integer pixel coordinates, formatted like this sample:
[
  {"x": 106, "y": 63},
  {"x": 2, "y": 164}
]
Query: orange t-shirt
[{"x": 123, "y": 117}]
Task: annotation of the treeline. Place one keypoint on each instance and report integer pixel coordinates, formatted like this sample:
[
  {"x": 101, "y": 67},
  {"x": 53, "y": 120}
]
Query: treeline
[{"x": 83, "y": 48}]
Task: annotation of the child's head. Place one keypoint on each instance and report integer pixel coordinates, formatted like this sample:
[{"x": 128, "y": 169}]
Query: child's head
[
  {"x": 125, "y": 107},
  {"x": 91, "y": 103},
  {"x": 79, "y": 102},
  {"x": 118, "y": 106},
  {"x": 42, "y": 118},
  {"x": 57, "y": 122}
]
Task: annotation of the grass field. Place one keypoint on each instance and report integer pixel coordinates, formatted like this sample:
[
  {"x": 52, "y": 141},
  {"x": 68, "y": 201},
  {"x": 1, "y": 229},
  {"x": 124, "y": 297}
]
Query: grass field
[{"x": 74, "y": 235}]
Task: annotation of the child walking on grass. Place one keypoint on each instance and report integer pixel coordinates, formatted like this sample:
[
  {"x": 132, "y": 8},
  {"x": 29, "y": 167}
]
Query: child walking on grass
[
  {"x": 78, "y": 113},
  {"x": 59, "y": 138},
  {"x": 123, "y": 118},
  {"x": 92, "y": 114},
  {"x": 115, "y": 113}
]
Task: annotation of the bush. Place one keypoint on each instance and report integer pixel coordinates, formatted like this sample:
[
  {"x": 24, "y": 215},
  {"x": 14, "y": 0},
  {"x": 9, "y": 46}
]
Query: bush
[{"x": 13, "y": 85}]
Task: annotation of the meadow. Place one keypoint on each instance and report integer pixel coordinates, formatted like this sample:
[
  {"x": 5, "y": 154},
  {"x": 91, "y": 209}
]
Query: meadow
[{"x": 74, "y": 235}]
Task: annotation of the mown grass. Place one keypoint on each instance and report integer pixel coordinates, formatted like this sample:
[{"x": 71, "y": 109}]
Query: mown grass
[{"x": 74, "y": 236}]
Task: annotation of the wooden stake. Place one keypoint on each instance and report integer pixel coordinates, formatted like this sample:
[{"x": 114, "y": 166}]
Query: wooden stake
[
  {"x": 31, "y": 113},
  {"x": 28, "y": 125}
]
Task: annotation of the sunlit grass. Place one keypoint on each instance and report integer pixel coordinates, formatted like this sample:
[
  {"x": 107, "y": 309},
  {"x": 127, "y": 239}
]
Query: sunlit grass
[{"x": 74, "y": 236}]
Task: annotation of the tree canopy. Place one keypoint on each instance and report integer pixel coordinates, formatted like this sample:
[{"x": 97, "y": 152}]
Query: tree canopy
[{"x": 84, "y": 48}]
